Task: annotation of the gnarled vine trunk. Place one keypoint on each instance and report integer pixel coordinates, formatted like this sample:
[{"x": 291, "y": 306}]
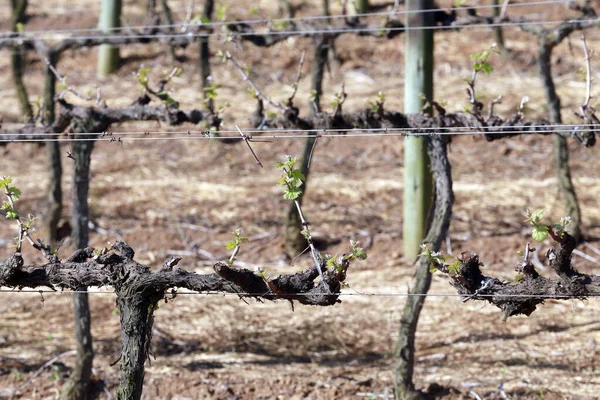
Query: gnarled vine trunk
[
  {"x": 204, "y": 58},
  {"x": 54, "y": 198},
  {"x": 498, "y": 33},
  {"x": 169, "y": 20},
  {"x": 78, "y": 383},
  {"x": 18, "y": 59},
  {"x": 136, "y": 311},
  {"x": 561, "y": 150},
  {"x": 439, "y": 224}
]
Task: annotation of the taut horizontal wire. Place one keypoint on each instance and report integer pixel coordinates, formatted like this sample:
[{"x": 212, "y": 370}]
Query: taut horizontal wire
[
  {"x": 114, "y": 137},
  {"x": 391, "y": 294},
  {"x": 299, "y": 33},
  {"x": 449, "y": 129},
  {"x": 294, "y": 19}
]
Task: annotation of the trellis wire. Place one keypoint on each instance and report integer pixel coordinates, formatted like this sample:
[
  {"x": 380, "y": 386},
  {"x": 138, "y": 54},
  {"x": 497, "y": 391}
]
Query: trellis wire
[
  {"x": 288, "y": 19},
  {"x": 114, "y": 137},
  {"x": 283, "y": 297},
  {"x": 448, "y": 129},
  {"x": 299, "y": 33}
]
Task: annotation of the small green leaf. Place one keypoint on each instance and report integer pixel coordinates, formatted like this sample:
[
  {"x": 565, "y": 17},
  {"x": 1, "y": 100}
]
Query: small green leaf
[
  {"x": 292, "y": 194},
  {"x": 5, "y": 181},
  {"x": 222, "y": 12},
  {"x": 357, "y": 252},
  {"x": 454, "y": 267},
  {"x": 12, "y": 214},
  {"x": 535, "y": 217},
  {"x": 539, "y": 233},
  {"x": 280, "y": 24},
  {"x": 483, "y": 67},
  {"x": 231, "y": 245},
  {"x": 425, "y": 251},
  {"x": 14, "y": 192}
]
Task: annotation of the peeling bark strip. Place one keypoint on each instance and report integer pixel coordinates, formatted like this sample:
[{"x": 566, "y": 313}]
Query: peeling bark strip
[
  {"x": 138, "y": 290},
  {"x": 530, "y": 289}
]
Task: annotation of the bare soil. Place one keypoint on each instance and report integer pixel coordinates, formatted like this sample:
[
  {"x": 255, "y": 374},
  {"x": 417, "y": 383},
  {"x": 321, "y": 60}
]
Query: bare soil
[{"x": 185, "y": 197}]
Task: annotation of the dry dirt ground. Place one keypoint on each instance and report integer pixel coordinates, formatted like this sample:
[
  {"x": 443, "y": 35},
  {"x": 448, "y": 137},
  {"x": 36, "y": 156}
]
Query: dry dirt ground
[{"x": 185, "y": 197}]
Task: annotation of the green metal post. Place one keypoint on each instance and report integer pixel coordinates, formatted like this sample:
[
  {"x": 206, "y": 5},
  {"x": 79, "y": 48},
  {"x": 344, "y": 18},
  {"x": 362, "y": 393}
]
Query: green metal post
[
  {"x": 108, "y": 55},
  {"x": 418, "y": 81}
]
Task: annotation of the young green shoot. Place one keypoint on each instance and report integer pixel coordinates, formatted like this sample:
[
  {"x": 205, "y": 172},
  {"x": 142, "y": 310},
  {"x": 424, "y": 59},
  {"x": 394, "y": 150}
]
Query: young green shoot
[
  {"x": 437, "y": 261},
  {"x": 12, "y": 193},
  {"x": 540, "y": 231},
  {"x": 162, "y": 94},
  {"x": 337, "y": 263},
  {"x": 292, "y": 181},
  {"x": 235, "y": 244},
  {"x": 480, "y": 64},
  {"x": 377, "y": 104}
]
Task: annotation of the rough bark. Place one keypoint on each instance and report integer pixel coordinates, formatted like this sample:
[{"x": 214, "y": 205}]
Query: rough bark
[
  {"x": 325, "y": 6},
  {"x": 439, "y": 224},
  {"x": 137, "y": 317},
  {"x": 169, "y": 20},
  {"x": 204, "y": 58},
  {"x": 529, "y": 289},
  {"x": 295, "y": 242},
  {"x": 151, "y": 8},
  {"x": 561, "y": 150},
  {"x": 18, "y": 59},
  {"x": 138, "y": 289},
  {"x": 54, "y": 198},
  {"x": 287, "y": 9},
  {"x": 79, "y": 380},
  {"x": 498, "y": 33},
  {"x": 76, "y": 387},
  {"x": 82, "y": 153},
  {"x": 141, "y": 110},
  {"x": 358, "y": 6},
  {"x": 89, "y": 119},
  {"x": 565, "y": 183}
]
